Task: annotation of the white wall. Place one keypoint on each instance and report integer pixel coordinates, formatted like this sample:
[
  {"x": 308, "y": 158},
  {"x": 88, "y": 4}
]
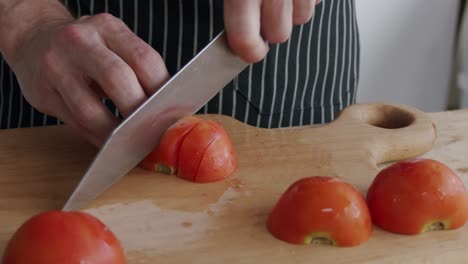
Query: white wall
[{"x": 406, "y": 51}]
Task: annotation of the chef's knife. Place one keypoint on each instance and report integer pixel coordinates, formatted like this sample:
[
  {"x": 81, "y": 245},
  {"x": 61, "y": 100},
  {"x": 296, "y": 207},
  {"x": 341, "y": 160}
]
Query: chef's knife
[{"x": 183, "y": 95}]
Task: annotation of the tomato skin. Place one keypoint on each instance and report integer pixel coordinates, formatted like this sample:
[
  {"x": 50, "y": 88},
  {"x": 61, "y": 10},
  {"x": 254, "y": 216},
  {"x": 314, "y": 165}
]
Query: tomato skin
[
  {"x": 323, "y": 206},
  {"x": 412, "y": 194},
  {"x": 219, "y": 159},
  {"x": 165, "y": 157},
  {"x": 194, "y": 149},
  {"x": 55, "y": 237}
]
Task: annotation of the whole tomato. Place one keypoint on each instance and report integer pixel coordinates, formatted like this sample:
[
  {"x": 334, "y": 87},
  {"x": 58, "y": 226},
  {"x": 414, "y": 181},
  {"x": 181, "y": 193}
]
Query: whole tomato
[
  {"x": 194, "y": 149},
  {"x": 321, "y": 209},
  {"x": 56, "y": 237},
  {"x": 417, "y": 195}
]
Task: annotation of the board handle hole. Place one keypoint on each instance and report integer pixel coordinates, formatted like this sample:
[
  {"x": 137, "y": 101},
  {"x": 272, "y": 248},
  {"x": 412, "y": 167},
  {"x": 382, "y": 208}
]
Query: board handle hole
[{"x": 389, "y": 117}]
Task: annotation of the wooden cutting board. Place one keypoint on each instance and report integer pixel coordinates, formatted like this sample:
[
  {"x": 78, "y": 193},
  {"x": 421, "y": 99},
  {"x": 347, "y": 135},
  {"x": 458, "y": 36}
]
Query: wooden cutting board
[{"x": 163, "y": 219}]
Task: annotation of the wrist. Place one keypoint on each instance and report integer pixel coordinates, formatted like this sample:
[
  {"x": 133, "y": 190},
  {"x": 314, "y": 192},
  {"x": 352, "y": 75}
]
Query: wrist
[{"x": 20, "y": 20}]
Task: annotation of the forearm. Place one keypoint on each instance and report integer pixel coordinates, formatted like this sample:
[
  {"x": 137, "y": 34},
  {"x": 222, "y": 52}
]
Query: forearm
[{"x": 21, "y": 19}]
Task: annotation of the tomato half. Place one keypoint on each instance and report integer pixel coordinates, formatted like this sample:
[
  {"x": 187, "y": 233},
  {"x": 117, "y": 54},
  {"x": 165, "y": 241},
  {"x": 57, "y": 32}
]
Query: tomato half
[
  {"x": 55, "y": 237},
  {"x": 165, "y": 157},
  {"x": 321, "y": 209},
  {"x": 219, "y": 159},
  {"x": 194, "y": 149},
  {"x": 417, "y": 195}
]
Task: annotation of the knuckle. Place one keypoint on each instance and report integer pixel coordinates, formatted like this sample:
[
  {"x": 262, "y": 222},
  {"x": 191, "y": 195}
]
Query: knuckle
[
  {"x": 143, "y": 53},
  {"x": 84, "y": 113},
  {"x": 109, "y": 22},
  {"x": 144, "y": 58},
  {"x": 73, "y": 33},
  {"x": 104, "y": 18},
  {"x": 114, "y": 71},
  {"x": 84, "y": 17}
]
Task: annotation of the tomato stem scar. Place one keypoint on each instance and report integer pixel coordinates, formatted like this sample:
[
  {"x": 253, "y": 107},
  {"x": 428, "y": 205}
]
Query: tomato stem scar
[
  {"x": 163, "y": 168},
  {"x": 434, "y": 226},
  {"x": 319, "y": 238}
]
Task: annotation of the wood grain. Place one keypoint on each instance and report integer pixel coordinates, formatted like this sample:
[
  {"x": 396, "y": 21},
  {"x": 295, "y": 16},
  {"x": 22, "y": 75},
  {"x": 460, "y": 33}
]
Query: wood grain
[{"x": 163, "y": 219}]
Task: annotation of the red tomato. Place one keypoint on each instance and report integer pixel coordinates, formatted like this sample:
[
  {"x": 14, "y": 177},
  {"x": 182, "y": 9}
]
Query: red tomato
[
  {"x": 194, "y": 149},
  {"x": 56, "y": 237},
  {"x": 218, "y": 160},
  {"x": 417, "y": 195},
  {"x": 321, "y": 209},
  {"x": 165, "y": 157}
]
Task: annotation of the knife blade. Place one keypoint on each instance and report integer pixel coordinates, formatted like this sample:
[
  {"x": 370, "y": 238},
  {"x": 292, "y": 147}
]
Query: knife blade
[{"x": 182, "y": 95}]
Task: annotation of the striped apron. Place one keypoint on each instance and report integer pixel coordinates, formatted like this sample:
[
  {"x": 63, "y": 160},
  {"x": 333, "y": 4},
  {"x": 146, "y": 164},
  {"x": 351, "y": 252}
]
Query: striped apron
[{"x": 306, "y": 80}]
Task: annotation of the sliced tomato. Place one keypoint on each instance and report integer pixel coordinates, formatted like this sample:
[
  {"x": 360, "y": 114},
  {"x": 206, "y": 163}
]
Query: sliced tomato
[
  {"x": 321, "y": 209},
  {"x": 57, "y": 237},
  {"x": 417, "y": 195},
  {"x": 219, "y": 159},
  {"x": 165, "y": 157},
  {"x": 193, "y": 148}
]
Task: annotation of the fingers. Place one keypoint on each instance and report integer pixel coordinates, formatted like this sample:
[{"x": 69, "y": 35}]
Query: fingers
[
  {"x": 250, "y": 24},
  {"x": 67, "y": 118},
  {"x": 145, "y": 61},
  {"x": 277, "y": 20},
  {"x": 72, "y": 99},
  {"x": 115, "y": 78},
  {"x": 303, "y": 10},
  {"x": 242, "y": 27},
  {"x": 147, "y": 64},
  {"x": 93, "y": 57},
  {"x": 67, "y": 115},
  {"x": 86, "y": 107},
  {"x": 123, "y": 66}
]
